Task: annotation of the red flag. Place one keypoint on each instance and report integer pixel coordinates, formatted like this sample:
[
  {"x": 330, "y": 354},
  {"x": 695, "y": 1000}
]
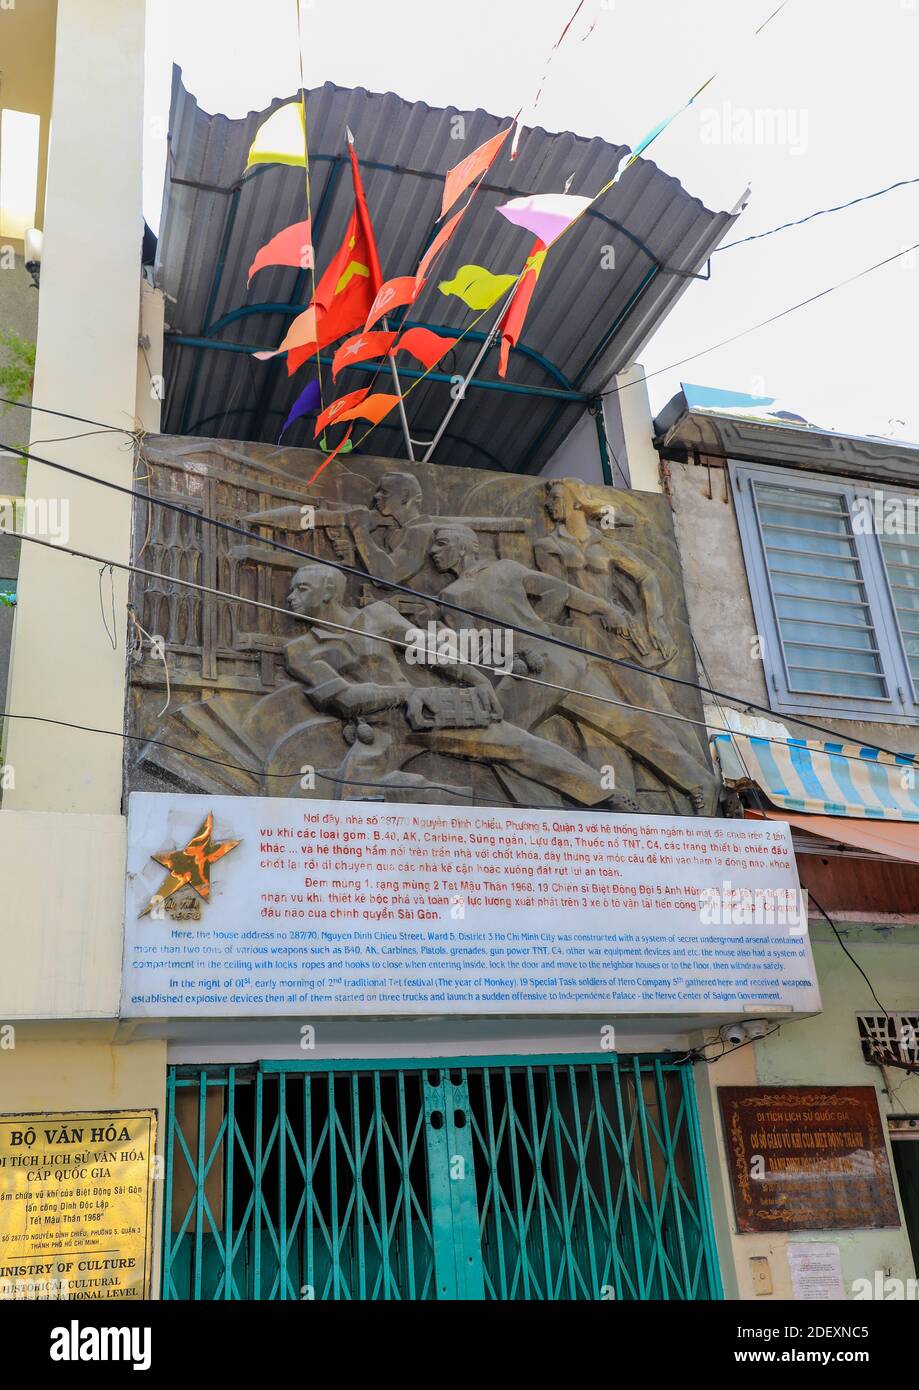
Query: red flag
[
  {"x": 392, "y": 295},
  {"x": 338, "y": 448},
  {"x": 351, "y": 280},
  {"x": 357, "y": 405},
  {"x": 427, "y": 346},
  {"x": 458, "y": 179},
  {"x": 436, "y": 246},
  {"x": 361, "y": 348},
  {"x": 332, "y": 412},
  {"x": 374, "y": 408},
  {"x": 516, "y": 311},
  {"x": 293, "y": 246}
]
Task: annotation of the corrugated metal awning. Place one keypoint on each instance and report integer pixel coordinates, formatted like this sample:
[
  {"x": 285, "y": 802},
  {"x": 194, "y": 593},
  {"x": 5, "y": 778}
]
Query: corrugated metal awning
[
  {"x": 586, "y": 322},
  {"x": 823, "y": 779}
]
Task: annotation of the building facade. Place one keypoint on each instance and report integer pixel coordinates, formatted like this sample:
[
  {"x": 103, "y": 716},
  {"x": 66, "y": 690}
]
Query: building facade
[{"x": 331, "y": 797}]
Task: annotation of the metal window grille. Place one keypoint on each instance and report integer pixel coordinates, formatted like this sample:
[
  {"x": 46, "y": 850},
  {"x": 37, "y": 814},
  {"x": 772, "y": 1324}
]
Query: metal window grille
[
  {"x": 556, "y": 1179},
  {"x": 889, "y": 1040},
  {"x": 836, "y": 604}
]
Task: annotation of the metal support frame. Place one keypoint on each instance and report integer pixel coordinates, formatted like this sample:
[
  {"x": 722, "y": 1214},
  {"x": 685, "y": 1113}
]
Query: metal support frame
[
  {"x": 567, "y": 393},
  {"x": 595, "y": 355},
  {"x": 606, "y": 471},
  {"x": 337, "y": 161}
]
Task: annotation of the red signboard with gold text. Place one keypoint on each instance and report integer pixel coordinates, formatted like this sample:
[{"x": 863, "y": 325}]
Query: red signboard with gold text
[{"x": 807, "y": 1158}]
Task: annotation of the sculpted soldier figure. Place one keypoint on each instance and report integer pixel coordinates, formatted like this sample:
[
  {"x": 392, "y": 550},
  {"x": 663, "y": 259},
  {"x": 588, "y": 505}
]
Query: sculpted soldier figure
[
  {"x": 400, "y": 685},
  {"x": 395, "y": 551},
  {"x": 588, "y": 554},
  {"x": 593, "y": 556},
  {"x": 506, "y": 591},
  {"x": 388, "y": 720}
]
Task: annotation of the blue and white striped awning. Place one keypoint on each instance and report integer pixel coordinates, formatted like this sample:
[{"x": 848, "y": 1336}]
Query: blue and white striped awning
[{"x": 826, "y": 779}]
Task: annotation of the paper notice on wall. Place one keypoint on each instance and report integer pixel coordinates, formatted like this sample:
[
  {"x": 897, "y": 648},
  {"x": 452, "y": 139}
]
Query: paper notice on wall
[
  {"x": 256, "y": 905},
  {"x": 816, "y": 1272}
]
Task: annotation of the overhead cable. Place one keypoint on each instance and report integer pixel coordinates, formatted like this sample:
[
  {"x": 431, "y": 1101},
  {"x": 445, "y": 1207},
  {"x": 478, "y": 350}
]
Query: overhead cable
[{"x": 438, "y": 600}]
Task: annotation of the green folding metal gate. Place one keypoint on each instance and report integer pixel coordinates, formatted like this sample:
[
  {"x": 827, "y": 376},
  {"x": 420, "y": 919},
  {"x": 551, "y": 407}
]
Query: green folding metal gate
[{"x": 550, "y": 1178}]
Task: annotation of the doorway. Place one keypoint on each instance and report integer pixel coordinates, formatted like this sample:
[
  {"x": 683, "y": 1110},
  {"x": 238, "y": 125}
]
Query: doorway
[
  {"x": 565, "y": 1178},
  {"x": 904, "y": 1144}
]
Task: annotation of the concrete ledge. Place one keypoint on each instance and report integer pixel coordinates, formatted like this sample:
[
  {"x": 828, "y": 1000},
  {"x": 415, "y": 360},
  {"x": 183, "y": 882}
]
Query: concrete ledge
[{"x": 61, "y": 914}]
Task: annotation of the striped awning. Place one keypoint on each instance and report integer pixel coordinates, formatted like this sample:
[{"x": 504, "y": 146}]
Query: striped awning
[{"x": 826, "y": 779}]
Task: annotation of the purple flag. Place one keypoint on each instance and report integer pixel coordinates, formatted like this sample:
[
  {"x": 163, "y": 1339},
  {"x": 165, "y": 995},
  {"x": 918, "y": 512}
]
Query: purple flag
[
  {"x": 308, "y": 401},
  {"x": 546, "y": 215}
]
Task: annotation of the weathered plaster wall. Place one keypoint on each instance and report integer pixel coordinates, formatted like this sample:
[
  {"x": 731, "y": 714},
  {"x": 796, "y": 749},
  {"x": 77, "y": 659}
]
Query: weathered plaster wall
[{"x": 820, "y": 1051}]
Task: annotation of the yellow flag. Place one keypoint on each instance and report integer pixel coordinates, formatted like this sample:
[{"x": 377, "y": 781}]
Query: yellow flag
[
  {"x": 477, "y": 287},
  {"x": 281, "y": 139}
]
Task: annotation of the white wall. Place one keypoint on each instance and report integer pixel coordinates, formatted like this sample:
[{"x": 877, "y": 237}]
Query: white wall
[
  {"x": 61, "y": 918},
  {"x": 633, "y": 459},
  {"x": 66, "y": 668}
]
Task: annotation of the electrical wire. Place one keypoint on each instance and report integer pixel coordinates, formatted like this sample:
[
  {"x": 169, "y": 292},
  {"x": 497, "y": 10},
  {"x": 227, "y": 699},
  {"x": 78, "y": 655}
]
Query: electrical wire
[
  {"x": 396, "y": 642},
  {"x": 823, "y": 912},
  {"x": 764, "y": 323},
  {"x": 821, "y": 212},
  {"x": 344, "y": 627},
  {"x": 438, "y": 600},
  {"x": 613, "y": 390},
  {"x": 63, "y": 415},
  {"x": 735, "y": 739},
  {"x": 113, "y": 635},
  {"x": 258, "y": 772}
]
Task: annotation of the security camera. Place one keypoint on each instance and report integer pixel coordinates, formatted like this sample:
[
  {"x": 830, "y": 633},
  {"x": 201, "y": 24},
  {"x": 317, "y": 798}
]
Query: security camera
[
  {"x": 735, "y": 1034},
  {"x": 33, "y": 250},
  {"x": 757, "y": 1028}
]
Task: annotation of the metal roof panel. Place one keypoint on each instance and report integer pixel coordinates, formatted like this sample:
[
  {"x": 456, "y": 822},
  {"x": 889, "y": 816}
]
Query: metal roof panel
[{"x": 588, "y": 322}]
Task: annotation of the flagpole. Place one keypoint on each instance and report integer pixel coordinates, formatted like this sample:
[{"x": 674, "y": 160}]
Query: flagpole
[
  {"x": 461, "y": 396},
  {"x": 490, "y": 338},
  {"x": 398, "y": 385}
]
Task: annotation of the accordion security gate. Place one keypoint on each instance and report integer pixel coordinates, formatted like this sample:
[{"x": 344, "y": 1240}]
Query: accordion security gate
[{"x": 551, "y": 1178}]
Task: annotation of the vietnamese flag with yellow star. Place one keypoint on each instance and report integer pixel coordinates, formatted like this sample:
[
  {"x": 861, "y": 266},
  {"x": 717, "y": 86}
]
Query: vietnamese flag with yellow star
[{"x": 350, "y": 283}]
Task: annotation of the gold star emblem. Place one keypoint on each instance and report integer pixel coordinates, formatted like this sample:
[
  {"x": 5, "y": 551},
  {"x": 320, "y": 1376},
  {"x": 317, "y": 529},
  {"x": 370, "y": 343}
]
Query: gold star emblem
[
  {"x": 190, "y": 867},
  {"x": 353, "y": 268}
]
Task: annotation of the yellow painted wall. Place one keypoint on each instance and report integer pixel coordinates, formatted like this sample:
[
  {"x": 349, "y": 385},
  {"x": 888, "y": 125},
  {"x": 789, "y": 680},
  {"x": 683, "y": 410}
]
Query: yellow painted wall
[
  {"x": 85, "y": 1068},
  {"x": 27, "y": 37}
]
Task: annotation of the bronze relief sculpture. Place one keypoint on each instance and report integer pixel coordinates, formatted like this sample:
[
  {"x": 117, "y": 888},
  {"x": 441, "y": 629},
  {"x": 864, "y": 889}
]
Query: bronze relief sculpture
[{"x": 361, "y": 691}]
